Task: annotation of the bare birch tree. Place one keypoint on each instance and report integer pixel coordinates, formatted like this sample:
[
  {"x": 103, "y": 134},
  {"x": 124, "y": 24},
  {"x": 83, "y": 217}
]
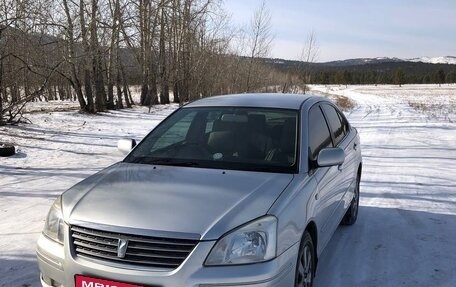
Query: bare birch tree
[
  {"x": 71, "y": 58},
  {"x": 309, "y": 55},
  {"x": 260, "y": 40}
]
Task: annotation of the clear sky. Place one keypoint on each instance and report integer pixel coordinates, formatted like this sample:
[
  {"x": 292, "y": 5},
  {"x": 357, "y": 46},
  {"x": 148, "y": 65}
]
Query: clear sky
[{"x": 357, "y": 28}]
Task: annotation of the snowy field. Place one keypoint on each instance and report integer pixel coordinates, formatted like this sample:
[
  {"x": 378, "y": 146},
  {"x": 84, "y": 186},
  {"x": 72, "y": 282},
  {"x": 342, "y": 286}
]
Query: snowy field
[{"x": 406, "y": 230}]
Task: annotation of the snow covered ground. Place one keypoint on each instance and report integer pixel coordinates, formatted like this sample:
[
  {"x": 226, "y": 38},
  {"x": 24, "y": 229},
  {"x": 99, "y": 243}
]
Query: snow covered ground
[
  {"x": 406, "y": 231},
  {"x": 55, "y": 152}
]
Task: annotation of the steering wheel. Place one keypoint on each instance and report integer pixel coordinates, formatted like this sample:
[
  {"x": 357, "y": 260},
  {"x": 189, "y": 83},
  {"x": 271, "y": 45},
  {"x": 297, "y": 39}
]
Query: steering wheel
[{"x": 195, "y": 149}]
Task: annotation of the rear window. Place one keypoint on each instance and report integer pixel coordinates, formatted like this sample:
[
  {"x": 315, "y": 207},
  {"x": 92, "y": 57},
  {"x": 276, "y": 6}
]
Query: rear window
[{"x": 338, "y": 130}]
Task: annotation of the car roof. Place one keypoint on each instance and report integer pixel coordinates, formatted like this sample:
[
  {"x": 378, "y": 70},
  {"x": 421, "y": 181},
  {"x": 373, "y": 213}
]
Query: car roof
[{"x": 261, "y": 100}]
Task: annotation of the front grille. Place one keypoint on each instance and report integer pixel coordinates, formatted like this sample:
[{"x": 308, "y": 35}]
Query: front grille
[{"x": 141, "y": 250}]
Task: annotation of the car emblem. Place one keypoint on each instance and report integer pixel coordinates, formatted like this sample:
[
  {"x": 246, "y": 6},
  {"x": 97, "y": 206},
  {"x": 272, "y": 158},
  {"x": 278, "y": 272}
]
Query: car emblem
[{"x": 122, "y": 248}]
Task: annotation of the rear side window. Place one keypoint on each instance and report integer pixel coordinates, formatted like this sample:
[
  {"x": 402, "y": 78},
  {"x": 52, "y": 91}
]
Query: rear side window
[
  {"x": 344, "y": 122},
  {"x": 319, "y": 136},
  {"x": 337, "y": 129}
]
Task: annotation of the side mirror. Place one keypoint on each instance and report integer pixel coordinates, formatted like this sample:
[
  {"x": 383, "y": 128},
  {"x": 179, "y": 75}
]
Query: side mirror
[
  {"x": 330, "y": 157},
  {"x": 126, "y": 145}
]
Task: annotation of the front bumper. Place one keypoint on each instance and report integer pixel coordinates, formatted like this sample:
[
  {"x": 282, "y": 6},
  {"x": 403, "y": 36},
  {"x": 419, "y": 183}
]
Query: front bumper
[{"x": 59, "y": 266}]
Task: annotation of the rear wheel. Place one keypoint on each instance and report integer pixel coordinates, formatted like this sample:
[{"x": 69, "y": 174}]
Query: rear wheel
[
  {"x": 305, "y": 268},
  {"x": 352, "y": 212}
]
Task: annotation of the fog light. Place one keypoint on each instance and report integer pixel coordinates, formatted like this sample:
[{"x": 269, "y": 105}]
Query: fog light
[
  {"x": 51, "y": 282},
  {"x": 46, "y": 280}
]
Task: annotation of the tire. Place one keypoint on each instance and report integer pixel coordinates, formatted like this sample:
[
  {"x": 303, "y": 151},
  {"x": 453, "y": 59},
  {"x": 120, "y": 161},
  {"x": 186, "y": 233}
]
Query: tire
[
  {"x": 352, "y": 213},
  {"x": 305, "y": 267},
  {"x": 7, "y": 149}
]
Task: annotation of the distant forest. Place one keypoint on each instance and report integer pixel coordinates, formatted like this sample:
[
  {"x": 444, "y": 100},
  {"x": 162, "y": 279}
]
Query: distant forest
[{"x": 397, "y": 72}]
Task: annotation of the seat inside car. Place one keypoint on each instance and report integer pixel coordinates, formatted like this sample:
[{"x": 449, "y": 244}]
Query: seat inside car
[
  {"x": 258, "y": 135},
  {"x": 222, "y": 138},
  {"x": 284, "y": 152}
]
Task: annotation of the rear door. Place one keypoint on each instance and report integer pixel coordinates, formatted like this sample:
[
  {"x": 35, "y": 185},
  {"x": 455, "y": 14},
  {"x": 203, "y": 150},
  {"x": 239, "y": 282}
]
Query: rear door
[{"x": 341, "y": 138}]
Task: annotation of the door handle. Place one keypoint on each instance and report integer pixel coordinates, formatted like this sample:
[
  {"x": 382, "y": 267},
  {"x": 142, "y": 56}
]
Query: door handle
[{"x": 355, "y": 146}]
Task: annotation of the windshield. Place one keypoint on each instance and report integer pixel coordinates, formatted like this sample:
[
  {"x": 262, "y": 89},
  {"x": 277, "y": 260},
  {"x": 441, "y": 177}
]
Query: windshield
[{"x": 258, "y": 139}]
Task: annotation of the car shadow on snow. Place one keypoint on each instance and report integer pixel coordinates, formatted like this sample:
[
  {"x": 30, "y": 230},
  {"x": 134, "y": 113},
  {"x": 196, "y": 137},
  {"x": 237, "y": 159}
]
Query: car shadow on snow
[
  {"x": 19, "y": 154},
  {"x": 19, "y": 271},
  {"x": 391, "y": 247}
]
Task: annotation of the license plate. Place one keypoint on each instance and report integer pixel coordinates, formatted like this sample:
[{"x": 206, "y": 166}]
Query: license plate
[{"x": 83, "y": 281}]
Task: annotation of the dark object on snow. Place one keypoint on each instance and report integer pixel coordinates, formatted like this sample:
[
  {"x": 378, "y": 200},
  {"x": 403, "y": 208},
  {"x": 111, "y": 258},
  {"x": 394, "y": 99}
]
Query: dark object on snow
[{"x": 7, "y": 149}]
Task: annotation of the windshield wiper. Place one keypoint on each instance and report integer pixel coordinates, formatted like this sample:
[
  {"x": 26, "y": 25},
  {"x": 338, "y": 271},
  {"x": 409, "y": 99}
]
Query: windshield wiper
[
  {"x": 181, "y": 163},
  {"x": 164, "y": 161}
]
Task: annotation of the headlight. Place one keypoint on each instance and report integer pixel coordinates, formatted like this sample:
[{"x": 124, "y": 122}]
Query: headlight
[
  {"x": 53, "y": 227},
  {"x": 251, "y": 243}
]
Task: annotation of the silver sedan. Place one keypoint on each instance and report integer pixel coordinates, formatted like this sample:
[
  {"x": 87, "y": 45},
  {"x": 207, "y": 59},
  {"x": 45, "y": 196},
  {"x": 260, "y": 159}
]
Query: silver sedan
[{"x": 236, "y": 190}]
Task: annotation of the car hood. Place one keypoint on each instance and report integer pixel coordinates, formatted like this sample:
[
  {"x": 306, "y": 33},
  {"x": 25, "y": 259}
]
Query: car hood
[{"x": 168, "y": 200}]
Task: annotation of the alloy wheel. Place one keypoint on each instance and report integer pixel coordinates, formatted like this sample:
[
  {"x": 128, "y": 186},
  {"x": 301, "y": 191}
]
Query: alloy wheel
[{"x": 305, "y": 267}]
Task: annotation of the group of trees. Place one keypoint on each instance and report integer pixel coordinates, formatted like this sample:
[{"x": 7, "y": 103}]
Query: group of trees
[
  {"x": 397, "y": 73},
  {"x": 92, "y": 51},
  {"x": 396, "y": 77}
]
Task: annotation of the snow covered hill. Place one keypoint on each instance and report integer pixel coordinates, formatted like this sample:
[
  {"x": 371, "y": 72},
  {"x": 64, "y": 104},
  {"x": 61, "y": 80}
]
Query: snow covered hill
[
  {"x": 362, "y": 61},
  {"x": 379, "y": 60},
  {"x": 435, "y": 60}
]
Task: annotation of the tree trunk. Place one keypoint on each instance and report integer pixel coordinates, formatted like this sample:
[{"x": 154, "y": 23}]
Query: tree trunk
[
  {"x": 100, "y": 93},
  {"x": 144, "y": 23},
  {"x": 85, "y": 62},
  {"x": 164, "y": 85},
  {"x": 126, "y": 91},
  {"x": 174, "y": 45},
  {"x": 97, "y": 71},
  {"x": 88, "y": 91},
  {"x": 185, "y": 90},
  {"x": 14, "y": 93},
  {"x": 1, "y": 84},
  {"x": 176, "y": 92},
  {"x": 119, "y": 96},
  {"x": 112, "y": 75},
  {"x": 145, "y": 99},
  {"x": 110, "y": 103},
  {"x": 153, "y": 90}
]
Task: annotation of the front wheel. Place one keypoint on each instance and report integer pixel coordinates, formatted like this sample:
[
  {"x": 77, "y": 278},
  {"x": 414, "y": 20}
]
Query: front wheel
[
  {"x": 305, "y": 267},
  {"x": 352, "y": 212}
]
